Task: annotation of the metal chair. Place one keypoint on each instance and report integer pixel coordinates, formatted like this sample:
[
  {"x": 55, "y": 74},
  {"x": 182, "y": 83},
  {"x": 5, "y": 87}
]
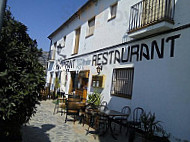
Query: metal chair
[
  {"x": 122, "y": 120},
  {"x": 104, "y": 103},
  {"x": 95, "y": 119},
  {"x": 102, "y": 121},
  {"x": 90, "y": 116},
  {"x": 136, "y": 122}
]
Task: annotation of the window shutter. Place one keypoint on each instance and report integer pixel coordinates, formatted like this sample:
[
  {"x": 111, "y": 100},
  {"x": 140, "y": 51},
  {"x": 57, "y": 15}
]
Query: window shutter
[
  {"x": 91, "y": 25},
  {"x": 77, "y": 38},
  {"x": 113, "y": 10}
]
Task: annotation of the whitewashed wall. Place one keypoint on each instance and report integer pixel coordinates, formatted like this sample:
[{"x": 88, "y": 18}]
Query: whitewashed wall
[
  {"x": 160, "y": 85},
  {"x": 108, "y": 33}
]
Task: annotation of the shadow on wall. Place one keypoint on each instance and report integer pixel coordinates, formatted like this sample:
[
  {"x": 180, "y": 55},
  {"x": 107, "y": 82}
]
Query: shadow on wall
[
  {"x": 36, "y": 134},
  {"x": 97, "y": 90}
]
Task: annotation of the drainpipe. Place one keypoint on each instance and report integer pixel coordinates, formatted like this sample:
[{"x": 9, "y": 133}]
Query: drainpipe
[{"x": 2, "y": 11}]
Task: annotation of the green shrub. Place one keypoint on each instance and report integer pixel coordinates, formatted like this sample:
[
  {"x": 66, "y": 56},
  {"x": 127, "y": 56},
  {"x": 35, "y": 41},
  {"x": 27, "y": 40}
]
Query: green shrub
[
  {"x": 94, "y": 98},
  {"x": 21, "y": 77},
  {"x": 152, "y": 126}
]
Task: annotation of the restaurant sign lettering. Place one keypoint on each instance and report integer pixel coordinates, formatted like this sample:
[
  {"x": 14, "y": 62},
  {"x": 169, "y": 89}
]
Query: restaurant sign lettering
[
  {"x": 137, "y": 52},
  {"x": 129, "y": 53}
]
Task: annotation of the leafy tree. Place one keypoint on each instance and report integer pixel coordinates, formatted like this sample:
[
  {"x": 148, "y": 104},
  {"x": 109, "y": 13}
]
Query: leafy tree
[{"x": 21, "y": 76}]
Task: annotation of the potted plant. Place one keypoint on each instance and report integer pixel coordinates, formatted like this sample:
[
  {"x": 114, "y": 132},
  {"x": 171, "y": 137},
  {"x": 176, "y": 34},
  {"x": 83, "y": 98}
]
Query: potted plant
[
  {"x": 94, "y": 99},
  {"x": 152, "y": 129}
]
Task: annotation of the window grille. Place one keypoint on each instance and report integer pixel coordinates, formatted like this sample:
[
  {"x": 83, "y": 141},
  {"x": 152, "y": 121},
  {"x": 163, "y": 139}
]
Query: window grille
[
  {"x": 122, "y": 82},
  {"x": 149, "y": 12}
]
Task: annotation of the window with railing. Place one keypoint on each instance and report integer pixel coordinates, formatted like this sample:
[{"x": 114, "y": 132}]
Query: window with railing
[
  {"x": 122, "y": 82},
  {"x": 148, "y": 12}
]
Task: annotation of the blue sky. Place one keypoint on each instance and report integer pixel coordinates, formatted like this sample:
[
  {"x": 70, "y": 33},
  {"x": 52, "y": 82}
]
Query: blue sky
[{"x": 42, "y": 17}]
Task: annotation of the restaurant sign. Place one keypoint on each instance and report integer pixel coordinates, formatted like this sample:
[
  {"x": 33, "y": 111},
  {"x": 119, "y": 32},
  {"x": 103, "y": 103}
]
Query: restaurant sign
[
  {"x": 129, "y": 53},
  {"x": 76, "y": 63},
  {"x": 137, "y": 52}
]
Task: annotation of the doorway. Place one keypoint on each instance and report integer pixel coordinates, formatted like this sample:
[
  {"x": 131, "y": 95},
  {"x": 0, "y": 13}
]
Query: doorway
[{"x": 79, "y": 83}]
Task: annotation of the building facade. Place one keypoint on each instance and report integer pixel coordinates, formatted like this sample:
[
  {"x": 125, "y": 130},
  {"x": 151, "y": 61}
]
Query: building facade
[{"x": 141, "y": 49}]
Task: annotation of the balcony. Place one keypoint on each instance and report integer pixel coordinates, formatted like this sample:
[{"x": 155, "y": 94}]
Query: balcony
[
  {"x": 151, "y": 16},
  {"x": 52, "y": 55}
]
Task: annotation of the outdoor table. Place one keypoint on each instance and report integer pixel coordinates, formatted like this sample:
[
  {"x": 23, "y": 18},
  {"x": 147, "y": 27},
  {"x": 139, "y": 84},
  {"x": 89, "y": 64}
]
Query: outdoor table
[{"x": 110, "y": 115}]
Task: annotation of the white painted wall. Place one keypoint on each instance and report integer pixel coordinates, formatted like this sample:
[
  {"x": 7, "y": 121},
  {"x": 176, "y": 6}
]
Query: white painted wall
[
  {"x": 108, "y": 33},
  {"x": 160, "y": 85}
]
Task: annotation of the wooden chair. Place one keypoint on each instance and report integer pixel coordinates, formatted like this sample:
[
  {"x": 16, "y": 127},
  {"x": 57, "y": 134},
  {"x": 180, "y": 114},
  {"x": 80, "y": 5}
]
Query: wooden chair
[
  {"x": 72, "y": 109},
  {"x": 60, "y": 104}
]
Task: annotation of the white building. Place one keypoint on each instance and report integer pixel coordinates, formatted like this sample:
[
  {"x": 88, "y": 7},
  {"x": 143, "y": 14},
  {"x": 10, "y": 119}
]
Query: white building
[{"x": 143, "y": 49}]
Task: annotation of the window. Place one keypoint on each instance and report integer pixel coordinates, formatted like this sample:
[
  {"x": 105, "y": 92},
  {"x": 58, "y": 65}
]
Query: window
[
  {"x": 98, "y": 81},
  {"x": 64, "y": 40},
  {"x": 122, "y": 82},
  {"x": 91, "y": 27},
  {"x": 113, "y": 11},
  {"x": 77, "y": 38},
  {"x": 149, "y": 12},
  {"x": 52, "y": 55},
  {"x": 55, "y": 45}
]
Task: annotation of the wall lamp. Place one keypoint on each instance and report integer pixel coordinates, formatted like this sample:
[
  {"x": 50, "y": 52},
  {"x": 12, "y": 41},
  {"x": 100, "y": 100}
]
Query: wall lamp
[
  {"x": 59, "y": 47},
  {"x": 99, "y": 68}
]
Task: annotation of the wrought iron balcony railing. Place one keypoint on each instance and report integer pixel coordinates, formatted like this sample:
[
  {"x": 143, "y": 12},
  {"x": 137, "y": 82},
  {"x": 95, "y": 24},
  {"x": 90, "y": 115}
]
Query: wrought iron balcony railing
[
  {"x": 149, "y": 12},
  {"x": 52, "y": 55}
]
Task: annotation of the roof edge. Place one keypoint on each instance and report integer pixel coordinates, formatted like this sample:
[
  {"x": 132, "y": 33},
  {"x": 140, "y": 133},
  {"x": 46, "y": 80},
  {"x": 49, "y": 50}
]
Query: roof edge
[{"x": 77, "y": 13}]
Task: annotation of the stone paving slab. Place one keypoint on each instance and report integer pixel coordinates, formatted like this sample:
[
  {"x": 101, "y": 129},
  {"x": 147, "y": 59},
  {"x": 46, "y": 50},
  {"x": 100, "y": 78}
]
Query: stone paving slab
[{"x": 47, "y": 127}]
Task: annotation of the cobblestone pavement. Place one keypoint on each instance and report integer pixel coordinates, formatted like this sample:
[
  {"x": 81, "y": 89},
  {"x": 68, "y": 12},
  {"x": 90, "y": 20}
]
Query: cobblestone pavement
[{"x": 47, "y": 127}]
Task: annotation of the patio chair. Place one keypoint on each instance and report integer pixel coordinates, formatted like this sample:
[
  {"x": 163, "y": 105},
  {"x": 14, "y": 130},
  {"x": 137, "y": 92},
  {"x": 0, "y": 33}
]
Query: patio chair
[
  {"x": 74, "y": 98},
  {"x": 72, "y": 109},
  {"x": 136, "y": 122},
  {"x": 104, "y": 103},
  {"x": 90, "y": 116},
  {"x": 102, "y": 121},
  {"x": 60, "y": 104},
  {"x": 87, "y": 115},
  {"x": 122, "y": 120}
]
